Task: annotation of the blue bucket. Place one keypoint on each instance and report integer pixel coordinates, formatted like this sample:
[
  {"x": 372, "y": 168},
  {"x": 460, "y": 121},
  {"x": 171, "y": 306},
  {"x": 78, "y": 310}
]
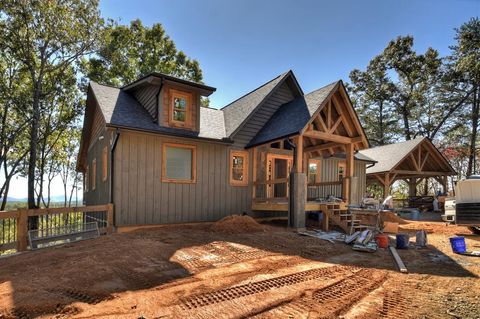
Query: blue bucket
[
  {"x": 402, "y": 241},
  {"x": 458, "y": 244}
]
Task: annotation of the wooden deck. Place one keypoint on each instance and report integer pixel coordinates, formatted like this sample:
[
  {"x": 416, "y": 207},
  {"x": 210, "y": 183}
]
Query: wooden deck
[{"x": 283, "y": 206}]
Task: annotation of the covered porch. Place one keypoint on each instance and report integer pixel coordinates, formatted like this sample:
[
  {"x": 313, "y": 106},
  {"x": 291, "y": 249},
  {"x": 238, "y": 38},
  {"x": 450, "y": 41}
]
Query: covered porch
[{"x": 288, "y": 155}]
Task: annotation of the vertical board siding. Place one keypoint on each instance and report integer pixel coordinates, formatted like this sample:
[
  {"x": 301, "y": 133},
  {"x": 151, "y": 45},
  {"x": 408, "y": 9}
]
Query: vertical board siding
[
  {"x": 329, "y": 173},
  {"x": 141, "y": 197},
  {"x": 100, "y": 195},
  {"x": 281, "y": 96},
  {"x": 147, "y": 97}
]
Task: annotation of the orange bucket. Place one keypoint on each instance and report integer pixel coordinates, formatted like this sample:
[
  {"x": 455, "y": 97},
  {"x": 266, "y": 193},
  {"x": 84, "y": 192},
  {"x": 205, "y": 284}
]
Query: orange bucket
[{"x": 382, "y": 240}]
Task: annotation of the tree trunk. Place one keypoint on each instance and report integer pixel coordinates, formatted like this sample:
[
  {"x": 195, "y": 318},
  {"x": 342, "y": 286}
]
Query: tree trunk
[
  {"x": 473, "y": 137},
  {"x": 32, "y": 160},
  {"x": 425, "y": 187},
  {"x": 5, "y": 193}
]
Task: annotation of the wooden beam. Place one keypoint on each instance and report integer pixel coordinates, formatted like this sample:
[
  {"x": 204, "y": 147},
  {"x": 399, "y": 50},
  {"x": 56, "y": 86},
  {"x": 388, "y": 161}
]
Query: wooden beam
[
  {"x": 381, "y": 180},
  {"x": 335, "y": 125},
  {"x": 421, "y": 173},
  {"x": 424, "y": 161},
  {"x": 320, "y": 147},
  {"x": 340, "y": 111},
  {"x": 321, "y": 123},
  {"x": 329, "y": 137},
  {"x": 414, "y": 161},
  {"x": 329, "y": 114}
]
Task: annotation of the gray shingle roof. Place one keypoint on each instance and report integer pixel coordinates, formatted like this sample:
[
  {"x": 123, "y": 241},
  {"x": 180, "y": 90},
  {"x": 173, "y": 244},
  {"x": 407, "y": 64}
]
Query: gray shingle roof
[
  {"x": 389, "y": 156},
  {"x": 293, "y": 116},
  {"x": 212, "y": 123},
  {"x": 238, "y": 111},
  {"x": 121, "y": 109}
]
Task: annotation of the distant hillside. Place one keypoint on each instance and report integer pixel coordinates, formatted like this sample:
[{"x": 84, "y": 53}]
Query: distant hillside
[{"x": 54, "y": 199}]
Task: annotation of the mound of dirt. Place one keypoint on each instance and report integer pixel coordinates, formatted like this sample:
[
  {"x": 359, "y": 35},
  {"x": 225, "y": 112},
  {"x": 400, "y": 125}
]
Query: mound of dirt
[
  {"x": 387, "y": 216},
  {"x": 237, "y": 224}
]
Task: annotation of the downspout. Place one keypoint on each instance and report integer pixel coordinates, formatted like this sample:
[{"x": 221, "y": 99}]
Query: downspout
[
  {"x": 112, "y": 161},
  {"x": 157, "y": 96},
  {"x": 290, "y": 181}
]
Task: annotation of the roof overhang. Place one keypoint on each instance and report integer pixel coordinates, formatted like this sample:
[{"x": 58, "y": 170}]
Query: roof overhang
[{"x": 156, "y": 78}]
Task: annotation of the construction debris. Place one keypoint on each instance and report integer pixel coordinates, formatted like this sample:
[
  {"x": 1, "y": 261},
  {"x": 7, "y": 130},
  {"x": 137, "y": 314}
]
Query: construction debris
[
  {"x": 330, "y": 236},
  {"x": 398, "y": 260},
  {"x": 365, "y": 242},
  {"x": 421, "y": 238}
]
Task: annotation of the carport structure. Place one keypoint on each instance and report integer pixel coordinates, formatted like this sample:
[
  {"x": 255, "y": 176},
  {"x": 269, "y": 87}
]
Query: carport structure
[{"x": 411, "y": 161}]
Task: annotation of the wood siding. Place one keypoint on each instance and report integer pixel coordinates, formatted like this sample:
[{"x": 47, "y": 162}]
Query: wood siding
[
  {"x": 165, "y": 108},
  {"x": 100, "y": 195},
  {"x": 147, "y": 97},
  {"x": 140, "y": 196},
  {"x": 98, "y": 125},
  {"x": 329, "y": 173},
  {"x": 263, "y": 114}
]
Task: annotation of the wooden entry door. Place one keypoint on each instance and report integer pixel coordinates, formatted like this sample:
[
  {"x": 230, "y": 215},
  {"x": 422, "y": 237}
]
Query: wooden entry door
[{"x": 278, "y": 170}]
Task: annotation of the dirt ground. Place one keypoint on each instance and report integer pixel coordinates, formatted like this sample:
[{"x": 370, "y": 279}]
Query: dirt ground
[{"x": 200, "y": 271}]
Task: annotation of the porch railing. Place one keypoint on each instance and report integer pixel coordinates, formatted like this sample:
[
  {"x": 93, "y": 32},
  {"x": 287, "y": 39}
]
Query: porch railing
[
  {"x": 51, "y": 222},
  {"x": 277, "y": 190}
]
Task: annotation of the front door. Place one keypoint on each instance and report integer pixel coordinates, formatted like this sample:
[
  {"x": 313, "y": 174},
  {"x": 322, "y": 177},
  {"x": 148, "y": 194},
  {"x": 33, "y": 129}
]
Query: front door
[{"x": 278, "y": 168}]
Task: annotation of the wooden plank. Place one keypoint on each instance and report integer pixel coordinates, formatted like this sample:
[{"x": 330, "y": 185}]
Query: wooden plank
[
  {"x": 22, "y": 230},
  {"x": 401, "y": 266},
  {"x": 9, "y": 214},
  {"x": 62, "y": 210}
]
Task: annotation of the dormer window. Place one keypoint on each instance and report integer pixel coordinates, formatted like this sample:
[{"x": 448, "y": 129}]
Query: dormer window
[{"x": 180, "y": 108}]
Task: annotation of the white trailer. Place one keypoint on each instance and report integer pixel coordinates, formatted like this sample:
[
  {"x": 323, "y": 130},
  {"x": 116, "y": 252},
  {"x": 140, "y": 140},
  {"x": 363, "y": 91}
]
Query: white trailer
[{"x": 466, "y": 205}]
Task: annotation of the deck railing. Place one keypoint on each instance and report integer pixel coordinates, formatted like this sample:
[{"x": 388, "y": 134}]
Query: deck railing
[
  {"x": 277, "y": 190},
  {"x": 50, "y": 222}
]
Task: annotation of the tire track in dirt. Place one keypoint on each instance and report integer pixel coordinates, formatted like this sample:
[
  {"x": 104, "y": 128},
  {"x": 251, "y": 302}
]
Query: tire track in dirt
[
  {"x": 332, "y": 300},
  {"x": 228, "y": 294}
]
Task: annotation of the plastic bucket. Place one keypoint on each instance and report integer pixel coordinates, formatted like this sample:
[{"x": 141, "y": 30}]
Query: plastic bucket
[
  {"x": 382, "y": 240},
  {"x": 402, "y": 241},
  {"x": 458, "y": 244}
]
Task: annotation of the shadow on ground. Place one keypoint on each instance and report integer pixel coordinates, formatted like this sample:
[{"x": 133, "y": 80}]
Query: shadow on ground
[{"x": 49, "y": 281}]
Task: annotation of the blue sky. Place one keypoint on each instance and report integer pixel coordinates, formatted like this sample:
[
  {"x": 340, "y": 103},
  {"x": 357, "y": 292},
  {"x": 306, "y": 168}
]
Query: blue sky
[
  {"x": 242, "y": 44},
  {"x": 245, "y": 43}
]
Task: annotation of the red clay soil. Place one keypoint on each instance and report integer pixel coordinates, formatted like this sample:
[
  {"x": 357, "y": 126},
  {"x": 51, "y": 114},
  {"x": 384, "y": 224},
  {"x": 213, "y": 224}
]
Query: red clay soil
[
  {"x": 235, "y": 224},
  {"x": 190, "y": 271},
  {"x": 392, "y": 217}
]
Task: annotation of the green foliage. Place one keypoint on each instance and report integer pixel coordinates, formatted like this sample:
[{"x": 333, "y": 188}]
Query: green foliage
[
  {"x": 129, "y": 52},
  {"x": 372, "y": 91},
  {"x": 46, "y": 39}
]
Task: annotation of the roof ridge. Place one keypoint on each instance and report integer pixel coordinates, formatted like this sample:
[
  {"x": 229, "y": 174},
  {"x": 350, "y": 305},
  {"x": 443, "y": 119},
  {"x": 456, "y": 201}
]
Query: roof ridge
[
  {"x": 256, "y": 89},
  {"x": 323, "y": 87},
  {"x": 106, "y": 85},
  {"x": 385, "y": 145}
]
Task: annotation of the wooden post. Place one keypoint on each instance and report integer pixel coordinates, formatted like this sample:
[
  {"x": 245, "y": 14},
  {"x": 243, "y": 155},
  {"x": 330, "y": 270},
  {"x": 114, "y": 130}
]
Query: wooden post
[
  {"x": 349, "y": 170},
  {"x": 110, "y": 218},
  {"x": 22, "y": 230},
  {"x": 386, "y": 186},
  {"x": 299, "y": 155},
  {"x": 412, "y": 187}
]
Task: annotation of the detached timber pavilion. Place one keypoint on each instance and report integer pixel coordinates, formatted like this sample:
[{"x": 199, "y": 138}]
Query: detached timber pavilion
[{"x": 412, "y": 161}]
